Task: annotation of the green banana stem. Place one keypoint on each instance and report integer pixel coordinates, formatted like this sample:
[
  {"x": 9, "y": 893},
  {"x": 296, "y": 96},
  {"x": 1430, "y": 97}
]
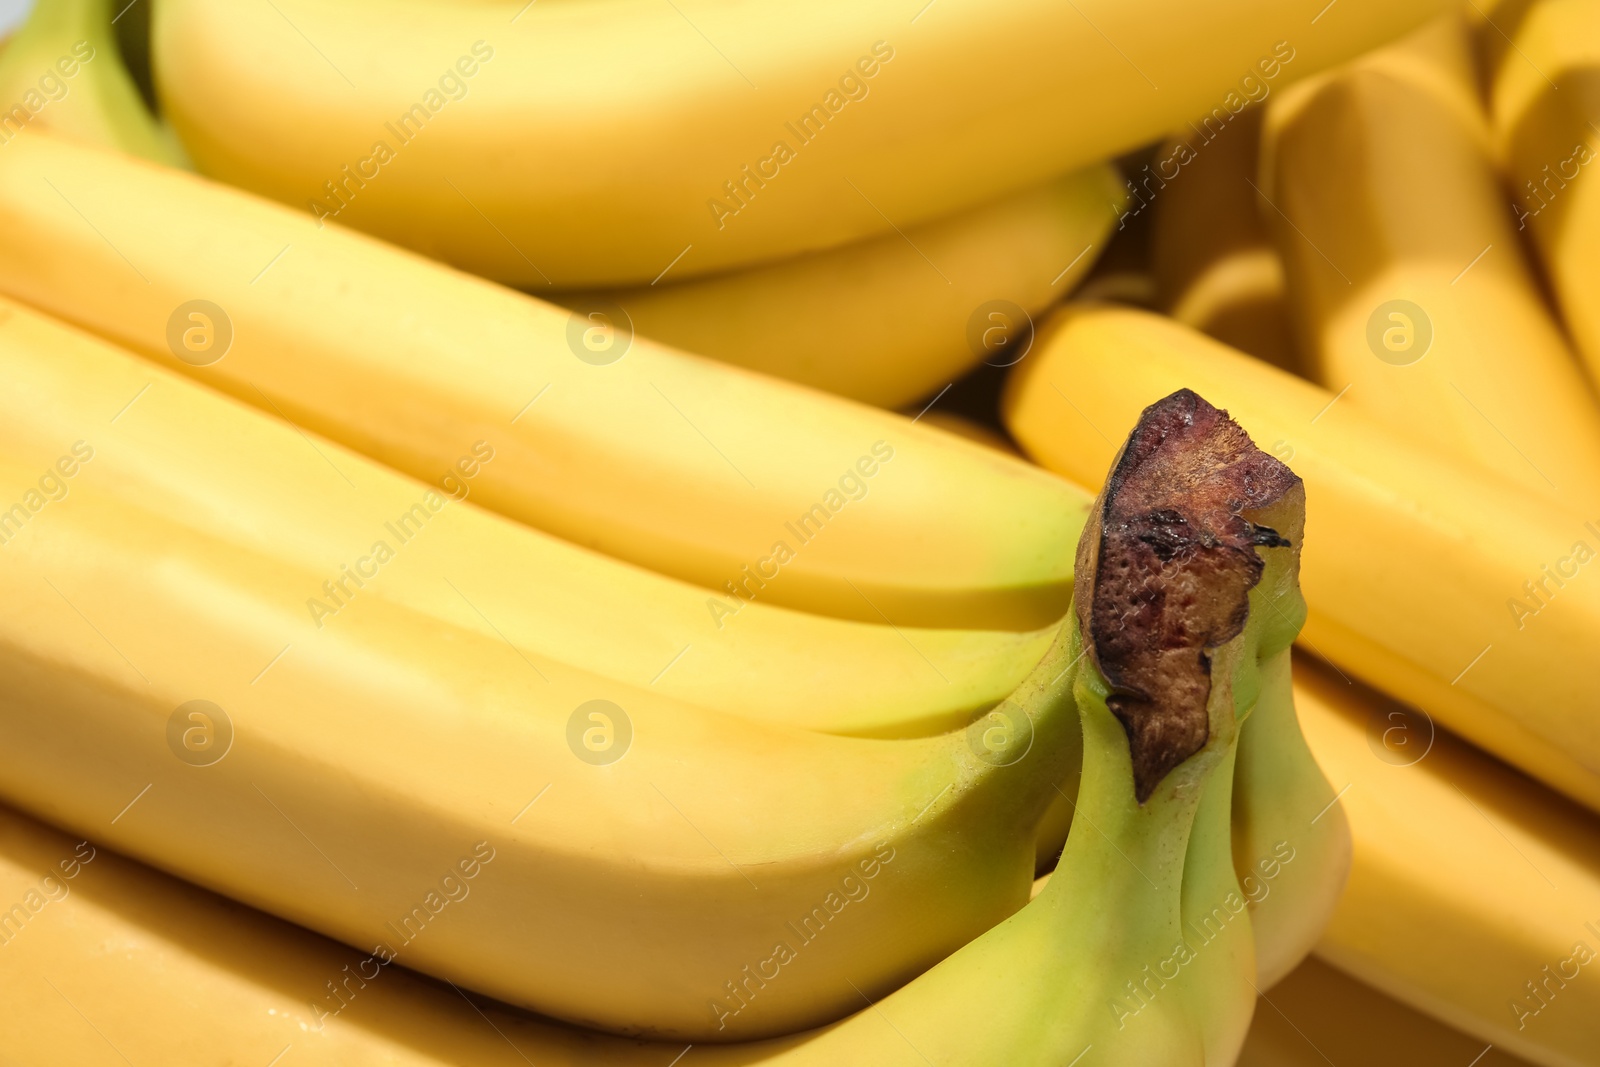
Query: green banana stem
[
  {"x": 63, "y": 71},
  {"x": 1139, "y": 950}
]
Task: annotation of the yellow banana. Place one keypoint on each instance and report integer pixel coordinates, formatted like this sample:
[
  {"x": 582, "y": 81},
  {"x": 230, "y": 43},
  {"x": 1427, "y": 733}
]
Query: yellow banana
[
  {"x": 1410, "y": 293},
  {"x": 414, "y": 757},
  {"x": 889, "y": 319},
  {"x": 1319, "y": 1014},
  {"x": 1466, "y": 597},
  {"x": 219, "y": 468},
  {"x": 62, "y": 71},
  {"x": 500, "y": 138},
  {"x": 1215, "y": 267},
  {"x": 971, "y": 429},
  {"x": 166, "y": 692},
  {"x": 1474, "y": 895},
  {"x": 102, "y": 950},
  {"x": 223, "y": 469},
  {"x": 1545, "y": 93},
  {"x": 753, "y": 488}
]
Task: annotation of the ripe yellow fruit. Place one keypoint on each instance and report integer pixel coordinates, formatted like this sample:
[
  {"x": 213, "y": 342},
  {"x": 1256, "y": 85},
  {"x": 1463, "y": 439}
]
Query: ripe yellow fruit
[
  {"x": 891, "y": 319},
  {"x": 1475, "y": 894},
  {"x": 1215, "y": 265},
  {"x": 1319, "y": 1014},
  {"x": 1545, "y": 98},
  {"x": 581, "y": 145},
  {"x": 753, "y": 488},
  {"x": 1410, "y": 291},
  {"x": 228, "y": 471}
]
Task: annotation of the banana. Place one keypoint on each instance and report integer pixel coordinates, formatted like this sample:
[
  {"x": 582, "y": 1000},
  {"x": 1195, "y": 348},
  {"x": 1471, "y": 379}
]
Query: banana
[
  {"x": 1214, "y": 264},
  {"x": 1546, "y": 140},
  {"x": 1290, "y": 838},
  {"x": 499, "y": 137},
  {"x": 644, "y": 857},
  {"x": 445, "y": 756},
  {"x": 1456, "y": 593},
  {"x": 1411, "y": 294},
  {"x": 1474, "y": 895},
  {"x": 62, "y": 71},
  {"x": 238, "y": 476},
  {"x": 971, "y": 429},
  {"x": 889, "y": 319},
  {"x": 1054, "y": 983},
  {"x": 167, "y": 444},
  {"x": 753, "y": 488},
  {"x": 1320, "y": 1015}
]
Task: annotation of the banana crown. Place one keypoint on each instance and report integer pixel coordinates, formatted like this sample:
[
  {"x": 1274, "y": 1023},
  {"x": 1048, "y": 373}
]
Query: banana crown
[{"x": 1166, "y": 567}]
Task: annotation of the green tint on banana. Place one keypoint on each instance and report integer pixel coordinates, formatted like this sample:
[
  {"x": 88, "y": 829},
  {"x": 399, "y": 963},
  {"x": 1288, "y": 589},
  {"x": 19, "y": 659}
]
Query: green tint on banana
[
  {"x": 64, "y": 71},
  {"x": 1291, "y": 840}
]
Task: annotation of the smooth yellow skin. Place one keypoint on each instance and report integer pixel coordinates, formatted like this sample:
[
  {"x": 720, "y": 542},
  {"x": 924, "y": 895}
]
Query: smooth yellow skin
[
  {"x": 168, "y": 973},
  {"x": 369, "y": 757},
  {"x": 1320, "y": 1012},
  {"x": 682, "y": 465},
  {"x": 1414, "y": 560},
  {"x": 888, "y": 320},
  {"x": 222, "y": 468},
  {"x": 1468, "y": 880},
  {"x": 97, "y": 103},
  {"x": 1211, "y": 253},
  {"x": 588, "y": 149},
  {"x": 1537, "y": 126},
  {"x": 1384, "y": 176}
]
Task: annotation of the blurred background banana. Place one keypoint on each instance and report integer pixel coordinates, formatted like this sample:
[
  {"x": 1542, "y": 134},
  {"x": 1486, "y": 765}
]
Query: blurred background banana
[{"x": 890, "y": 319}]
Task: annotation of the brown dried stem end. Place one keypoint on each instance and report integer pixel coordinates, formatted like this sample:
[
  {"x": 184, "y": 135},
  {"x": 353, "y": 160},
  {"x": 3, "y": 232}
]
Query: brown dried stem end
[{"x": 1165, "y": 569}]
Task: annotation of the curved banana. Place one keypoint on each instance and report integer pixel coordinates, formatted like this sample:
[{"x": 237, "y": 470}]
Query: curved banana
[
  {"x": 1411, "y": 294},
  {"x": 1474, "y": 895},
  {"x": 1214, "y": 264},
  {"x": 1547, "y": 143},
  {"x": 889, "y": 319},
  {"x": 750, "y": 487},
  {"x": 62, "y": 71},
  {"x": 498, "y": 137},
  {"x": 347, "y": 775},
  {"x": 218, "y": 467},
  {"x": 1458, "y": 594},
  {"x": 1320, "y": 1014},
  {"x": 135, "y": 953}
]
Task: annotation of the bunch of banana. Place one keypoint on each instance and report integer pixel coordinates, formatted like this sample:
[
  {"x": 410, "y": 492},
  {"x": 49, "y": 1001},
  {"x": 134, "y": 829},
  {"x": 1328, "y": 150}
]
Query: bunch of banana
[
  {"x": 649, "y": 857},
  {"x": 168, "y": 445},
  {"x": 753, "y": 488},
  {"x": 61, "y": 71},
  {"x": 1214, "y": 264},
  {"x": 1474, "y": 894},
  {"x": 1544, "y": 74},
  {"x": 1456, "y": 593},
  {"x": 605, "y": 144},
  {"x": 1169, "y": 983},
  {"x": 1411, "y": 294},
  {"x": 892, "y": 318}
]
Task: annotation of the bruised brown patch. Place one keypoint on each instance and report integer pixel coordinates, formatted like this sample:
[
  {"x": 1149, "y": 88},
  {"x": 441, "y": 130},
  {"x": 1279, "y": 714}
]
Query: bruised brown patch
[{"x": 1165, "y": 569}]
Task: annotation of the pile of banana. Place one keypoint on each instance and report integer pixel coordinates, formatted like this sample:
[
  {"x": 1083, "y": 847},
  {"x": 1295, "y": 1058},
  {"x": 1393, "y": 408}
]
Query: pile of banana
[{"x": 607, "y": 532}]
